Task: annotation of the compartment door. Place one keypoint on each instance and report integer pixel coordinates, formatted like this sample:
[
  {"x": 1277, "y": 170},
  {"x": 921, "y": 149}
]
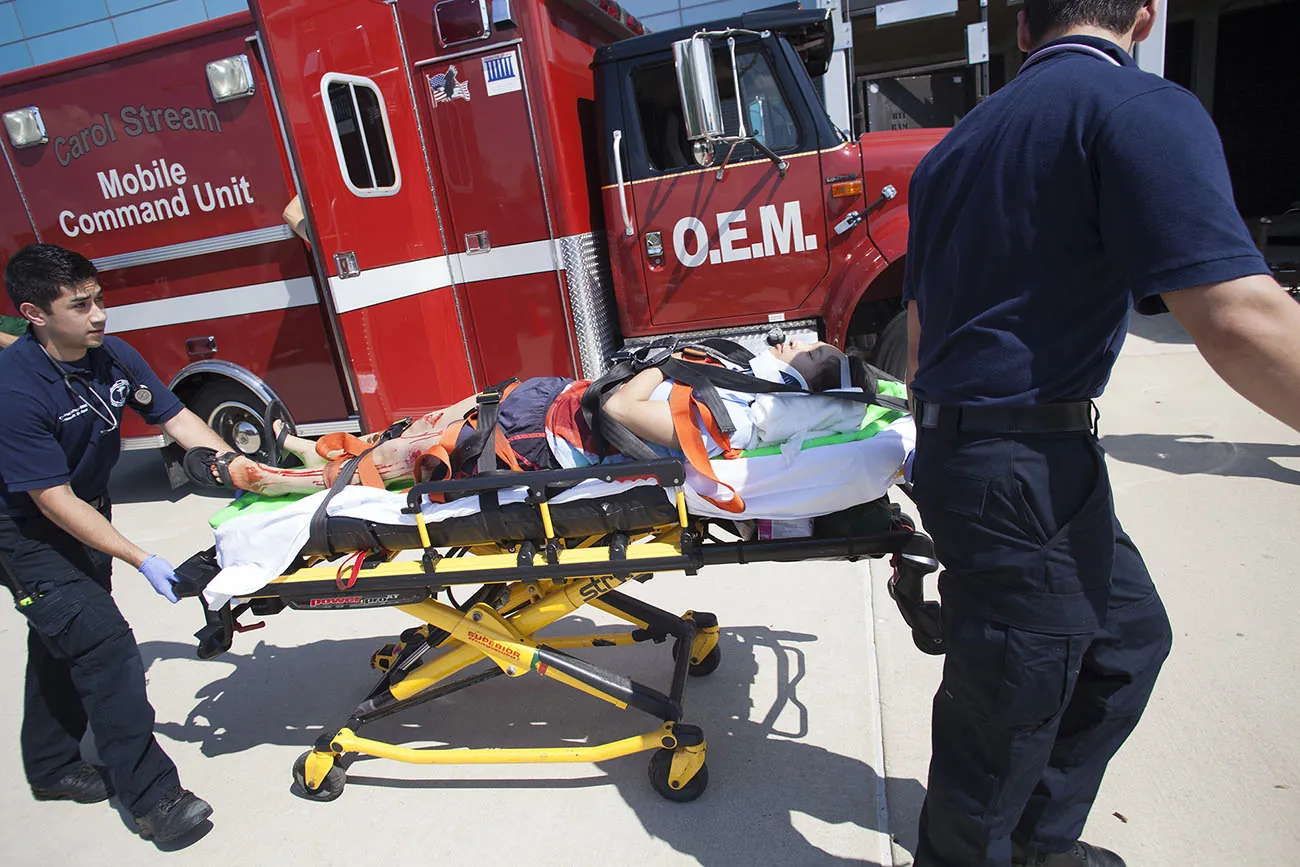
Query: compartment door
[{"x": 499, "y": 235}]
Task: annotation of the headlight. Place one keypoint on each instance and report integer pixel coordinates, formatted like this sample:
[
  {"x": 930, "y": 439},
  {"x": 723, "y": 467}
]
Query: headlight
[
  {"x": 230, "y": 78},
  {"x": 25, "y": 127}
]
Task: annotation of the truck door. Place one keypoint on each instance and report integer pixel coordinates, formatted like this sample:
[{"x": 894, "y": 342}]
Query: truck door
[
  {"x": 752, "y": 242},
  {"x": 502, "y": 252},
  {"x": 348, "y": 105}
]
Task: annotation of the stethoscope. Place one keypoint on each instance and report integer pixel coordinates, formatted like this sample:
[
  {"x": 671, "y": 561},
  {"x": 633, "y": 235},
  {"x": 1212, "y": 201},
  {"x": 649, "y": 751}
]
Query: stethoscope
[
  {"x": 1067, "y": 46},
  {"x": 140, "y": 395}
]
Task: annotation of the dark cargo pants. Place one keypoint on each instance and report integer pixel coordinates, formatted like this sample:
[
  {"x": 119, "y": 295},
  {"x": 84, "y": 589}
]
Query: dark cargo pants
[
  {"x": 1054, "y": 634},
  {"x": 83, "y": 665}
]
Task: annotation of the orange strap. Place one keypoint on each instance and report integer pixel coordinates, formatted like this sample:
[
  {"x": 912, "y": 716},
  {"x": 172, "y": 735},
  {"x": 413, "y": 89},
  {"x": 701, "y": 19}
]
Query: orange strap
[
  {"x": 682, "y": 403},
  {"x": 351, "y": 446},
  {"x": 434, "y": 463}
]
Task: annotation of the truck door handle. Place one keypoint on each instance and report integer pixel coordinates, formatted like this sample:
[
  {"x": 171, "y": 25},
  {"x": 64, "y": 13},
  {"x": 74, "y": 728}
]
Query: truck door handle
[
  {"x": 618, "y": 174},
  {"x": 887, "y": 193}
]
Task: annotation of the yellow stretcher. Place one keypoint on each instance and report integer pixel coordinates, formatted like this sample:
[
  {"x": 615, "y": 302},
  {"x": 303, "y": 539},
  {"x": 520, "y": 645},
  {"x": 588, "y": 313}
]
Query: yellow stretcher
[{"x": 537, "y": 572}]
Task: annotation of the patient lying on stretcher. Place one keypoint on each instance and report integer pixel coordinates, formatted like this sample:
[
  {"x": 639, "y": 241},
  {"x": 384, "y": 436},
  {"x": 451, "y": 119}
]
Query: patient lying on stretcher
[{"x": 541, "y": 425}]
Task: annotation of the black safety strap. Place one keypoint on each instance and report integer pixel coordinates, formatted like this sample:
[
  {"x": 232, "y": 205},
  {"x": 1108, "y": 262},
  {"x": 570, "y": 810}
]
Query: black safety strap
[
  {"x": 318, "y": 537},
  {"x": 480, "y": 446},
  {"x": 733, "y": 380}
]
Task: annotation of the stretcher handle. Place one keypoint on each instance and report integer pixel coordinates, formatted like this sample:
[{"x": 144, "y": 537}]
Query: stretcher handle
[{"x": 667, "y": 473}]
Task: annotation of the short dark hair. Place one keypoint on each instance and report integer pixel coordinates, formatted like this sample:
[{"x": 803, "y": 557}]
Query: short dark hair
[
  {"x": 1044, "y": 16},
  {"x": 38, "y": 273}
]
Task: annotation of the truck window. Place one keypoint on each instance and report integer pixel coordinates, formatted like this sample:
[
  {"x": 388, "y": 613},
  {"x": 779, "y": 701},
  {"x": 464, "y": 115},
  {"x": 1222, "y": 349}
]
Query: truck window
[
  {"x": 767, "y": 112},
  {"x": 362, "y": 143}
]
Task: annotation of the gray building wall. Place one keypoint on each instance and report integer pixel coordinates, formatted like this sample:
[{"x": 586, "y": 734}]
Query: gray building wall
[{"x": 41, "y": 31}]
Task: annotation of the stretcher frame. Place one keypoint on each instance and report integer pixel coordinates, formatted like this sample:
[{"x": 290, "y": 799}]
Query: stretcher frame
[{"x": 526, "y": 586}]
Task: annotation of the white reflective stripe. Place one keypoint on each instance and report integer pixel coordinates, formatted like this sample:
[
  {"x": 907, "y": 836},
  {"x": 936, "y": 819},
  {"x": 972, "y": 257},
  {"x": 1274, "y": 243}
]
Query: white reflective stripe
[
  {"x": 377, "y": 285},
  {"x": 390, "y": 282},
  {"x": 222, "y": 303},
  {"x": 535, "y": 257},
  {"x": 215, "y": 244}
]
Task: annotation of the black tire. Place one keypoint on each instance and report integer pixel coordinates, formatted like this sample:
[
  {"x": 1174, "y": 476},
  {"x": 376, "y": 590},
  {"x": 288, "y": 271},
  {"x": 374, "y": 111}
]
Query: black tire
[
  {"x": 891, "y": 347},
  {"x": 661, "y": 764},
  {"x": 237, "y": 415},
  {"x": 330, "y": 788},
  {"x": 705, "y": 666}
]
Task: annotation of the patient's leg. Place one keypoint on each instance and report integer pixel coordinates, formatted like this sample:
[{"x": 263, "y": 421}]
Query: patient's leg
[
  {"x": 301, "y": 448},
  {"x": 394, "y": 459}
]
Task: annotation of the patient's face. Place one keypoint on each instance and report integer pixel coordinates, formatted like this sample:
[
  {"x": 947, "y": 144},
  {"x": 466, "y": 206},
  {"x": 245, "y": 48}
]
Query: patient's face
[{"x": 787, "y": 351}]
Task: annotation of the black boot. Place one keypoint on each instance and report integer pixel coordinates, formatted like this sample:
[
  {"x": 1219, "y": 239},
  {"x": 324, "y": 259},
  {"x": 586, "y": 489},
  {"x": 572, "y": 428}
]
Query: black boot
[
  {"x": 179, "y": 812},
  {"x": 1082, "y": 855},
  {"x": 84, "y": 783}
]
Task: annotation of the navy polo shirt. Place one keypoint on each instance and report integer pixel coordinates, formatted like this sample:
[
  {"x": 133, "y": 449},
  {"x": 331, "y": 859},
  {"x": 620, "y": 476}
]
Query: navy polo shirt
[
  {"x": 52, "y": 432},
  {"x": 1078, "y": 191}
]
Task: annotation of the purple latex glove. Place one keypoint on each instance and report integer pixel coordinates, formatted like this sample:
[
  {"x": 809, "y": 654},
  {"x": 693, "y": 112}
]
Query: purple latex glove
[
  {"x": 907, "y": 466},
  {"x": 161, "y": 576}
]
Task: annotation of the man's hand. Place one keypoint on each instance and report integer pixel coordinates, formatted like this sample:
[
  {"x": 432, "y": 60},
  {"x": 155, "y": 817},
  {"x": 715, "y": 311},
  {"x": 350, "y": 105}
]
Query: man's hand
[
  {"x": 1247, "y": 330},
  {"x": 161, "y": 576}
]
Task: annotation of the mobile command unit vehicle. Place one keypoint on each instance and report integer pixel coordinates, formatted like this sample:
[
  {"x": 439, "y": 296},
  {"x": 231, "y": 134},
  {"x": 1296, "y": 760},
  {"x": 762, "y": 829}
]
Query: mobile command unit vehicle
[{"x": 492, "y": 189}]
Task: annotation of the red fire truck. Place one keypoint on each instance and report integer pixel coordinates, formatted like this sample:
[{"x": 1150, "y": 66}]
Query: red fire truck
[{"x": 493, "y": 189}]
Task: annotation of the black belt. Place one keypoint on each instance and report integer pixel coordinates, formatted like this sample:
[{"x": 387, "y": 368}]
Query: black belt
[{"x": 1045, "y": 418}]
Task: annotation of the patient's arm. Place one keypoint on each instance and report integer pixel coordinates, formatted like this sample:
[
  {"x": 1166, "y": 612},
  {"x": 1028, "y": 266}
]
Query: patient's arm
[{"x": 631, "y": 407}]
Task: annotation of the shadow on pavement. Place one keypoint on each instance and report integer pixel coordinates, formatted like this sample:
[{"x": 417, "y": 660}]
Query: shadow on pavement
[
  {"x": 1163, "y": 328},
  {"x": 1190, "y": 454},
  {"x": 762, "y": 770}
]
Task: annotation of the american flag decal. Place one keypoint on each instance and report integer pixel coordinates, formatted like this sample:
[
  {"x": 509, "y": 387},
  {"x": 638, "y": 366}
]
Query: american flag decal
[{"x": 447, "y": 86}]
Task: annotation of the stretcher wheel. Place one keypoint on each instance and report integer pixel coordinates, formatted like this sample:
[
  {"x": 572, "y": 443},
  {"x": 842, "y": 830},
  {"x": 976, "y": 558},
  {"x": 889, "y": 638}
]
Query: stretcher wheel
[
  {"x": 705, "y": 666},
  {"x": 330, "y": 788},
  {"x": 661, "y": 763}
]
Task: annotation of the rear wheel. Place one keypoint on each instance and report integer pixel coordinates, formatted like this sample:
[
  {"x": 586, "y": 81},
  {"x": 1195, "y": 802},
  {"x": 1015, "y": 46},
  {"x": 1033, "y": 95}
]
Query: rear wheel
[
  {"x": 238, "y": 417},
  {"x": 330, "y": 788},
  {"x": 891, "y": 347},
  {"x": 661, "y": 765}
]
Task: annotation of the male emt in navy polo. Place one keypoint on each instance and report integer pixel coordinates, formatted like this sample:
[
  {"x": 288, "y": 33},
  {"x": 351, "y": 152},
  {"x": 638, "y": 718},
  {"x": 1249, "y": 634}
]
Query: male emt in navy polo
[
  {"x": 64, "y": 387},
  {"x": 1082, "y": 189}
]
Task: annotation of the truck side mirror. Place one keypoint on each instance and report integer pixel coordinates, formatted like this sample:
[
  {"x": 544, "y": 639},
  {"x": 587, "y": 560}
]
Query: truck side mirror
[{"x": 701, "y": 105}]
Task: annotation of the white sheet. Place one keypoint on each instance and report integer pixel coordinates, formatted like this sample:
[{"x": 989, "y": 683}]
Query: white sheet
[{"x": 254, "y": 549}]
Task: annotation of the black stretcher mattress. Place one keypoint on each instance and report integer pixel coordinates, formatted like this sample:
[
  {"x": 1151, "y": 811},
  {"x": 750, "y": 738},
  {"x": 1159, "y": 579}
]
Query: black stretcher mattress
[{"x": 636, "y": 509}]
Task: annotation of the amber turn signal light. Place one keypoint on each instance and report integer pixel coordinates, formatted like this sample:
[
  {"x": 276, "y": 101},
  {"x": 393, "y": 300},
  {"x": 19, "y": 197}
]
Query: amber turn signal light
[{"x": 846, "y": 190}]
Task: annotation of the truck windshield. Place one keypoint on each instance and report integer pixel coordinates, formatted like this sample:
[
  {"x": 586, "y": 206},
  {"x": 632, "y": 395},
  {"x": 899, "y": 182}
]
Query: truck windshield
[{"x": 767, "y": 113}]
